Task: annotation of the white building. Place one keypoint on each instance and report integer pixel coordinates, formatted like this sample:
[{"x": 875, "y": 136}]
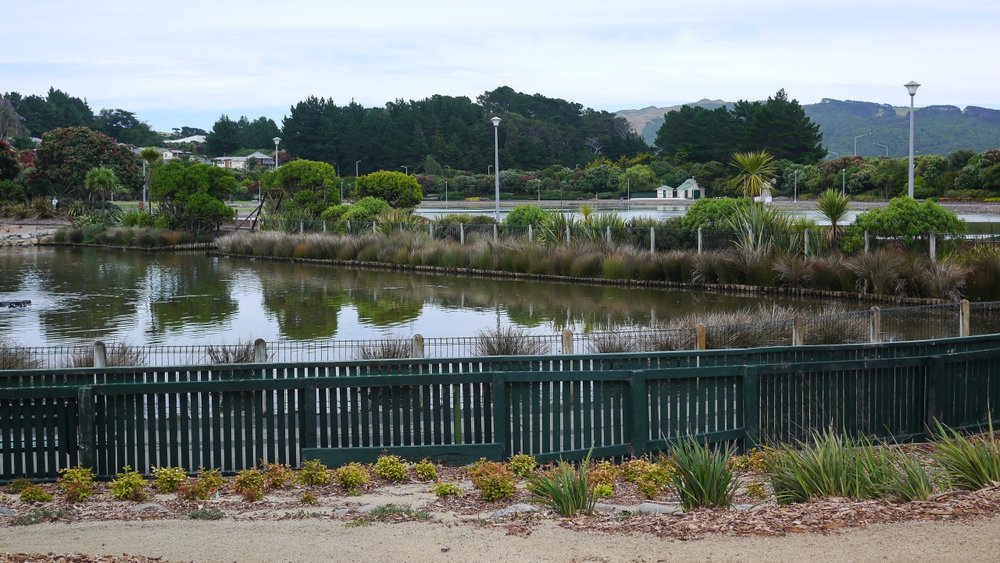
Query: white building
[
  {"x": 689, "y": 190},
  {"x": 240, "y": 162}
]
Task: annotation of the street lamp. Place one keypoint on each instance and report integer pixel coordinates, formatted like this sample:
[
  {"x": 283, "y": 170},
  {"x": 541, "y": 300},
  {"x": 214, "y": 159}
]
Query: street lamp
[
  {"x": 843, "y": 181},
  {"x": 856, "y": 142},
  {"x": 446, "y": 192},
  {"x": 795, "y": 181},
  {"x": 356, "y": 163},
  {"x": 276, "y": 141},
  {"x": 489, "y": 170},
  {"x": 886, "y": 147},
  {"x": 496, "y": 165},
  {"x": 833, "y": 152},
  {"x": 406, "y": 170},
  {"x": 911, "y": 87}
]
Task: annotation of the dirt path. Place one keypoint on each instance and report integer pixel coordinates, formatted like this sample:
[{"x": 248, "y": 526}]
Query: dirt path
[{"x": 312, "y": 540}]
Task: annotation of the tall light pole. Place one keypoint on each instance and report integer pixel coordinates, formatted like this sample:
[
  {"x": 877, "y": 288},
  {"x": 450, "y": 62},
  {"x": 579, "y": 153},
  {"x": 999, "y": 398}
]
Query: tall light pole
[
  {"x": 356, "y": 163},
  {"x": 911, "y": 87},
  {"x": 856, "y": 142},
  {"x": 843, "y": 181},
  {"x": 795, "y": 181},
  {"x": 886, "y": 147},
  {"x": 276, "y": 141},
  {"x": 496, "y": 165},
  {"x": 406, "y": 169},
  {"x": 446, "y": 192}
]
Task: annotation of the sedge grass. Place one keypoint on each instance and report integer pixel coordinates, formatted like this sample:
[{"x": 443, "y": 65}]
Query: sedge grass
[
  {"x": 702, "y": 476},
  {"x": 565, "y": 488}
]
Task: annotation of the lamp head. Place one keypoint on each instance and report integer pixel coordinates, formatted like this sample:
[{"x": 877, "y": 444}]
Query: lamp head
[
  {"x": 496, "y": 121},
  {"x": 911, "y": 87},
  {"x": 276, "y": 140}
]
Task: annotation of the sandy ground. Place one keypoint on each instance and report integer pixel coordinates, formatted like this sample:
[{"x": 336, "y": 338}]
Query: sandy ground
[{"x": 311, "y": 540}]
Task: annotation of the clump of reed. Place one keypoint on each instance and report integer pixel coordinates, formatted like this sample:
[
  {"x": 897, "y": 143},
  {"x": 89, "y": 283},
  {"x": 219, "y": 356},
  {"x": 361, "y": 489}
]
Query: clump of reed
[
  {"x": 983, "y": 279},
  {"x": 743, "y": 328},
  {"x": 509, "y": 341},
  {"x": 617, "y": 342},
  {"x": 115, "y": 354},
  {"x": 385, "y": 350},
  {"x": 835, "y": 325},
  {"x": 878, "y": 272},
  {"x": 239, "y": 353},
  {"x": 13, "y": 356}
]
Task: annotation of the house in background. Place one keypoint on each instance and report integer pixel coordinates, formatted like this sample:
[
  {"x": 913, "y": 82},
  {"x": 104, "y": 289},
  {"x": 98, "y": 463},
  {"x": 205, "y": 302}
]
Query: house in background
[
  {"x": 264, "y": 161},
  {"x": 689, "y": 190},
  {"x": 191, "y": 139}
]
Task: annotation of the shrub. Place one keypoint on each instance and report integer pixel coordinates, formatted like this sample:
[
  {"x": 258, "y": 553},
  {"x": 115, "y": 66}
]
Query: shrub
[
  {"x": 308, "y": 498},
  {"x": 314, "y": 472},
  {"x": 352, "y": 477},
  {"x": 128, "y": 485},
  {"x": 903, "y": 217},
  {"x": 967, "y": 463},
  {"x": 168, "y": 479},
  {"x": 442, "y": 489},
  {"x": 508, "y": 341},
  {"x": 493, "y": 480},
  {"x": 755, "y": 461},
  {"x": 32, "y": 493},
  {"x": 390, "y": 468},
  {"x": 702, "y": 476},
  {"x": 655, "y": 478},
  {"x": 206, "y": 514},
  {"x": 16, "y": 357},
  {"x": 239, "y": 353},
  {"x": 524, "y": 215},
  {"x": 424, "y": 470},
  {"x": 277, "y": 476},
  {"x": 523, "y": 465},
  {"x": 201, "y": 487},
  {"x": 386, "y": 350},
  {"x": 756, "y": 491},
  {"x": 878, "y": 272},
  {"x": 18, "y": 484},
  {"x": 250, "y": 484},
  {"x": 565, "y": 489},
  {"x": 76, "y": 483}
]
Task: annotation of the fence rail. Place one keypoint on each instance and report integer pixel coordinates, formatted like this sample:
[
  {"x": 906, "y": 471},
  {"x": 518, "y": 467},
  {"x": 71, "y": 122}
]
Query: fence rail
[{"x": 232, "y": 417}]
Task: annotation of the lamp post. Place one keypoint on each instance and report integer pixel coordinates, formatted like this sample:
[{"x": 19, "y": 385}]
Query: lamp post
[
  {"x": 276, "y": 141},
  {"x": 356, "y": 163},
  {"x": 406, "y": 169},
  {"x": 496, "y": 165},
  {"x": 856, "y": 141},
  {"x": 489, "y": 170},
  {"x": 886, "y": 147},
  {"x": 843, "y": 181},
  {"x": 911, "y": 87},
  {"x": 795, "y": 182},
  {"x": 446, "y": 192}
]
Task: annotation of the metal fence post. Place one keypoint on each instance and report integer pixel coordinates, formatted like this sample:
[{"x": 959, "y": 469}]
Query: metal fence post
[
  {"x": 964, "y": 318},
  {"x": 85, "y": 426},
  {"x": 259, "y": 351},
  {"x": 567, "y": 341},
  {"x": 417, "y": 346},
  {"x": 875, "y": 327},
  {"x": 700, "y": 337},
  {"x": 100, "y": 355},
  {"x": 374, "y": 228}
]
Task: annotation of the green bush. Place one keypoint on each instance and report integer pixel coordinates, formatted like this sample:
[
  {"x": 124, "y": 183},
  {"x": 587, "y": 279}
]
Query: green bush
[
  {"x": 442, "y": 489},
  {"x": 424, "y": 470},
  {"x": 390, "y": 468},
  {"x": 523, "y": 465},
  {"x": 168, "y": 479},
  {"x": 34, "y": 494},
  {"x": 128, "y": 485},
  {"x": 492, "y": 479},
  {"x": 314, "y": 472},
  {"x": 905, "y": 218},
  {"x": 77, "y": 483},
  {"x": 203, "y": 486},
  {"x": 250, "y": 484},
  {"x": 395, "y": 188},
  {"x": 352, "y": 477},
  {"x": 524, "y": 215},
  {"x": 702, "y": 477},
  {"x": 277, "y": 476}
]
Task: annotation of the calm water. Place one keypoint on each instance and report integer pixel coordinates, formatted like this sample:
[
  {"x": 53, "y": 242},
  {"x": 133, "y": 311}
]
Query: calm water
[{"x": 78, "y": 295}]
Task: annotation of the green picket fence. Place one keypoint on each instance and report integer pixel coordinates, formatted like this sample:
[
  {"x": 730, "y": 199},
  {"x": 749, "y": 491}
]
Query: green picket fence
[{"x": 236, "y": 423}]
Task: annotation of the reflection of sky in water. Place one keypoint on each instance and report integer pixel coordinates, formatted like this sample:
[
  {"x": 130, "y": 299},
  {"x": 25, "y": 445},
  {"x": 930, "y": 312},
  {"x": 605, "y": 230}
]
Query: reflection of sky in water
[{"x": 193, "y": 299}]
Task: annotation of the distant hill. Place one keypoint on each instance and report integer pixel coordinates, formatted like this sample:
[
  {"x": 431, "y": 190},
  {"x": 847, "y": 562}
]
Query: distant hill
[{"x": 937, "y": 129}]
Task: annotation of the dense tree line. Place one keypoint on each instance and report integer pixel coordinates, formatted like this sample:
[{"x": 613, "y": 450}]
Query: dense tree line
[{"x": 57, "y": 109}]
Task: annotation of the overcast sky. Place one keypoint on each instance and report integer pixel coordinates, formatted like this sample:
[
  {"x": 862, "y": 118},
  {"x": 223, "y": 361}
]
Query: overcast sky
[{"x": 187, "y": 62}]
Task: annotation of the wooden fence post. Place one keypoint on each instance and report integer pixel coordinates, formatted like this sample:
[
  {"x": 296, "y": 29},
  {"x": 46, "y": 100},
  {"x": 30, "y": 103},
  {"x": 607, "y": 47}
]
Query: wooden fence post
[
  {"x": 964, "y": 318},
  {"x": 501, "y": 418},
  {"x": 700, "y": 337},
  {"x": 867, "y": 243},
  {"x": 100, "y": 355},
  {"x": 567, "y": 341},
  {"x": 638, "y": 411},
  {"x": 933, "y": 248},
  {"x": 308, "y": 425},
  {"x": 531, "y": 234},
  {"x": 417, "y": 346},
  {"x": 652, "y": 239},
  {"x": 259, "y": 351},
  {"x": 875, "y": 326},
  {"x": 798, "y": 334},
  {"x": 496, "y": 235},
  {"x": 751, "y": 408},
  {"x": 85, "y": 427}
]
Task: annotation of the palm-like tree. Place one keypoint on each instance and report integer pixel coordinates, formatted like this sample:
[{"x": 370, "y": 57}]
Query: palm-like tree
[
  {"x": 149, "y": 156},
  {"x": 756, "y": 171},
  {"x": 101, "y": 181},
  {"x": 833, "y": 206}
]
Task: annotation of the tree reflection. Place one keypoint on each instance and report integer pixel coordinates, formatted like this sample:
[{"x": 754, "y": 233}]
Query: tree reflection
[
  {"x": 304, "y": 302},
  {"x": 186, "y": 292}
]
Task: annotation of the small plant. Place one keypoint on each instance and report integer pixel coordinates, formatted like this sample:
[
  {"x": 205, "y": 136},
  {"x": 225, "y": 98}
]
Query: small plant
[
  {"x": 424, "y": 470},
  {"x": 565, "y": 489},
  {"x": 509, "y": 341},
  {"x": 386, "y": 350},
  {"x": 702, "y": 477},
  {"x": 128, "y": 485},
  {"x": 168, "y": 479},
  {"x": 523, "y": 465},
  {"x": 314, "y": 473},
  {"x": 250, "y": 484},
  {"x": 912, "y": 482},
  {"x": 32, "y": 493},
  {"x": 277, "y": 476},
  {"x": 352, "y": 477},
  {"x": 206, "y": 514},
  {"x": 755, "y": 461},
  {"x": 390, "y": 467},
  {"x": 604, "y": 490},
  {"x": 632, "y": 469},
  {"x": 38, "y": 515},
  {"x": 603, "y": 476},
  {"x": 17, "y": 485},
  {"x": 967, "y": 463},
  {"x": 239, "y": 353},
  {"x": 442, "y": 489},
  {"x": 391, "y": 513},
  {"x": 76, "y": 483},
  {"x": 756, "y": 491},
  {"x": 203, "y": 486},
  {"x": 492, "y": 479},
  {"x": 308, "y": 498}
]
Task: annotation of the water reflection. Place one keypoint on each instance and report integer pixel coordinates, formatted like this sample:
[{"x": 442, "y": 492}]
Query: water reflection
[{"x": 78, "y": 295}]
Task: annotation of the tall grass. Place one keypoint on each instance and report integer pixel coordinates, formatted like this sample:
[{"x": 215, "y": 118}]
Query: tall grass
[
  {"x": 703, "y": 478},
  {"x": 565, "y": 488},
  {"x": 967, "y": 463},
  {"x": 509, "y": 341},
  {"x": 115, "y": 354},
  {"x": 239, "y": 353},
  {"x": 16, "y": 357},
  {"x": 386, "y": 350},
  {"x": 878, "y": 272}
]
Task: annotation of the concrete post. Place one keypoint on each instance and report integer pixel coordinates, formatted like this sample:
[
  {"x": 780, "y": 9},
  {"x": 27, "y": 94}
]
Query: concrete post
[
  {"x": 876, "y": 325},
  {"x": 933, "y": 250},
  {"x": 700, "y": 337},
  {"x": 867, "y": 243},
  {"x": 302, "y": 227},
  {"x": 607, "y": 233},
  {"x": 461, "y": 233},
  {"x": 531, "y": 234},
  {"x": 699, "y": 240},
  {"x": 374, "y": 228},
  {"x": 417, "y": 347},
  {"x": 496, "y": 233},
  {"x": 259, "y": 351},
  {"x": 798, "y": 332},
  {"x": 567, "y": 235},
  {"x": 964, "y": 319},
  {"x": 652, "y": 239},
  {"x": 567, "y": 341},
  {"x": 430, "y": 230},
  {"x": 324, "y": 225},
  {"x": 100, "y": 355}
]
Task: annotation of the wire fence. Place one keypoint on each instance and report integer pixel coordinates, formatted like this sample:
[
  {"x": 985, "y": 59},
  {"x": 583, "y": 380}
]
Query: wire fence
[{"x": 927, "y": 322}]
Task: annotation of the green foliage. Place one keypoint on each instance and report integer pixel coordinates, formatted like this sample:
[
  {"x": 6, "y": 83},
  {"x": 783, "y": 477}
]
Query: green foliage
[
  {"x": 523, "y": 465},
  {"x": 754, "y": 461},
  {"x": 313, "y": 473},
  {"x": 277, "y": 476},
  {"x": 424, "y": 470},
  {"x": 10, "y": 167},
  {"x": 713, "y": 212},
  {"x": 34, "y": 494},
  {"x": 128, "y": 485},
  {"x": 101, "y": 181},
  {"x": 508, "y": 341},
  {"x": 168, "y": 479},
  {"x": 206, "y": 514},
  {"x": 203, "y": 486},
  {"x": 352, "y": 477},
  {"x": 17, "y": 485},
  {"x": 904, "y": 217},
  {"x": 11, "y": 190},
  {"x": 191, "y": 196},
  {"x": 309, "y": 184},
  {"x": 492, "y": 479},
  {"x": 565, "y": 488},
  {"x": 524, "y": 215},
  {"x": 390, "y": 468},
  {"x": 756, "y": 171},
  {"x": 833, "y": 206},
  {"x": 250, "y": 484},
  {"x": 136, "y": 218},
  {"x": 967, "y": 463},
  {"x": 39, "y": 515},
  {"x": 66, "y": 155},
  {"x": 365, "y": 210},
  {"x": 702, "y": 476},
  {"x": 76, "y": 483},
  {"x": 442, "y": 489},
  {"x": 395, "y": 188}
]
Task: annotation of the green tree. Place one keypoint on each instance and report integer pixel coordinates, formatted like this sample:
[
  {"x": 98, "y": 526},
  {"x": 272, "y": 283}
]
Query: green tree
[
  {"x": 65, "y": 156},
  {"x": 833, "y": 206},
  {"x": 192, "y": 196},
  {"x": 224, "y": 138},
  {"x": 125, "y": 127},
  {"x": 756, "y": 170},
  {"x": 638, "y": 178},
  {"x": 56, "y": 110},
  {"x": 524, "y": 215},
  {"x": 903, "y": 217},
  {"x": 781, "y": 127},
  {"x": 102, "y": 182},
  {"x": 150, "y": 157},
  {"x": 697, "y": 134},
  {"x": 395, "y": 188},
  {"x": 308, "y": 184}
]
